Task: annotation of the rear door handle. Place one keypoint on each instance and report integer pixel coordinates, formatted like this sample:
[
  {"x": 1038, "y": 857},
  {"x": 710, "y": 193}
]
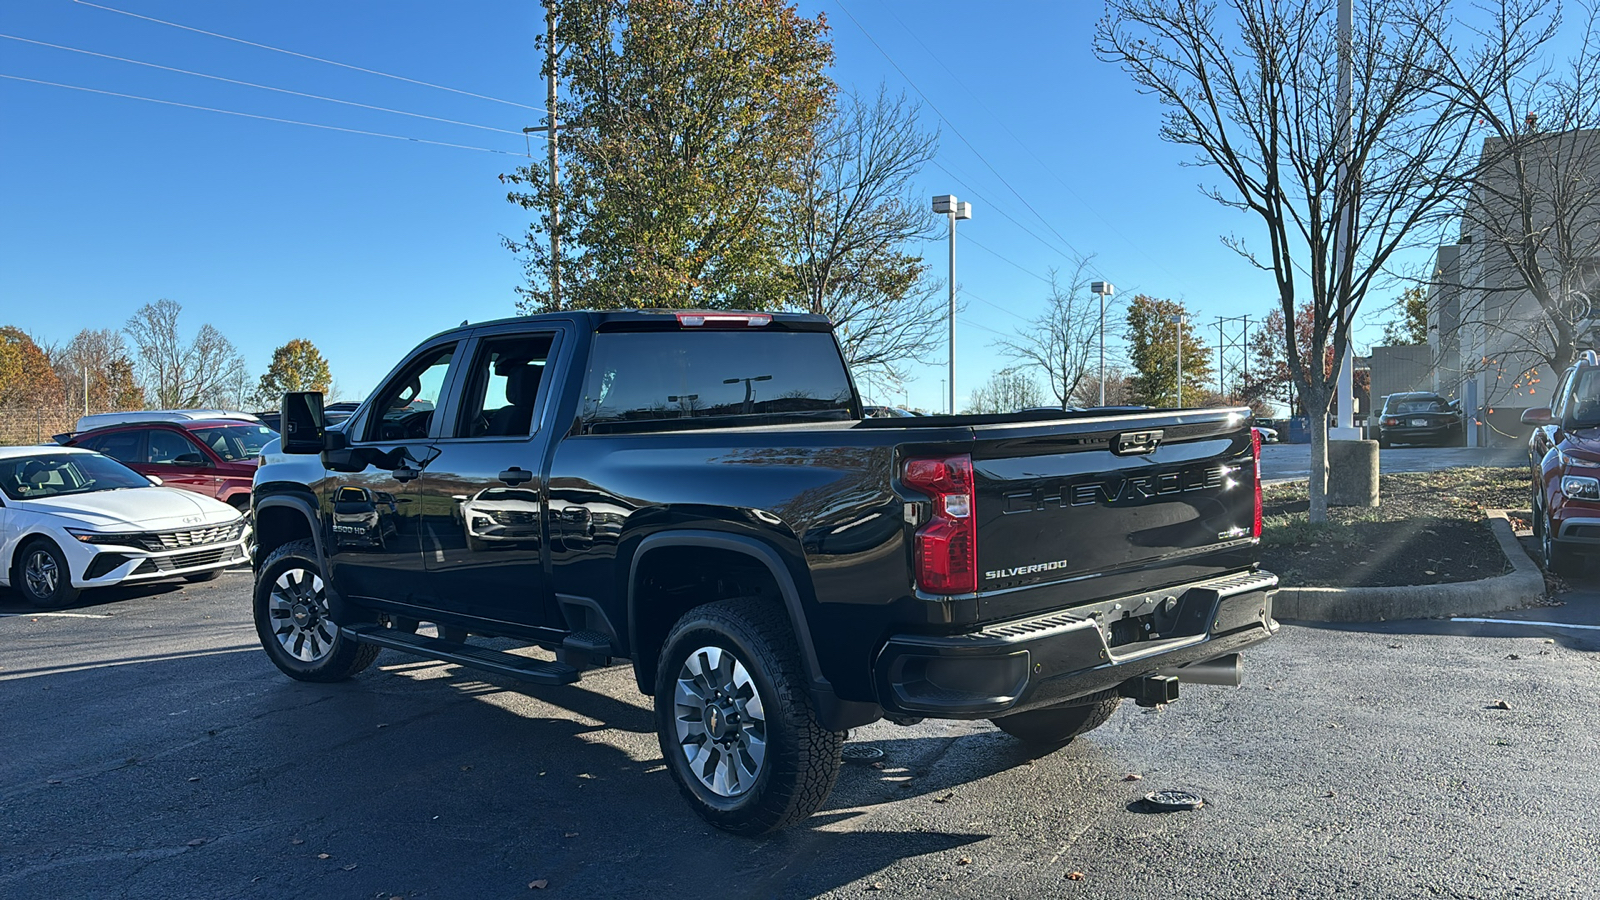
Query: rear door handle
[{"x": 515, "y": 476}]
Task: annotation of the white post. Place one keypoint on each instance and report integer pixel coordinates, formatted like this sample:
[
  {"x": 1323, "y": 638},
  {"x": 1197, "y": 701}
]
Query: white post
[{"x": 1102, "y": 349}]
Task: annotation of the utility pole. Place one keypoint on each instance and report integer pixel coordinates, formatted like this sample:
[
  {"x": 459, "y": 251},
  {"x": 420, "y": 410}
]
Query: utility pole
[
  {"x": 1177, "y": 325},
  {"x": 1104, "y": 289},
  {"x": 555, "y": 180}
]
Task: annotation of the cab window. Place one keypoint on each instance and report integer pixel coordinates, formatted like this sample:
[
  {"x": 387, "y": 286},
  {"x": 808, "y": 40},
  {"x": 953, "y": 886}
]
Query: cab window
[
  {"x": 169, "y": 448},
  {"x": 499, "y": 400},
  {"x": 404, "y": 407},
  {"x": 122, "y": 446}
]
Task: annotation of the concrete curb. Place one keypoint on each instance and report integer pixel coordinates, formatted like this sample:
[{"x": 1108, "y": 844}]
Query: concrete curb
[{"x": 1519, "y": 587}]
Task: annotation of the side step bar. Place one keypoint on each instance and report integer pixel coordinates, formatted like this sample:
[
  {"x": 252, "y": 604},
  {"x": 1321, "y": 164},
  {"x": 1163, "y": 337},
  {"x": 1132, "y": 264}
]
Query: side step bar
[{"x": 507, "y": 664}]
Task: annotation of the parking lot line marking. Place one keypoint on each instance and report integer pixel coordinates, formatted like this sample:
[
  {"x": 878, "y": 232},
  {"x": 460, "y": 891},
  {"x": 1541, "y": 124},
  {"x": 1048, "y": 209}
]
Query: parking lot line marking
[
  {"x": 1530, "y": 622},
  {"x": 56, "y": 615}
]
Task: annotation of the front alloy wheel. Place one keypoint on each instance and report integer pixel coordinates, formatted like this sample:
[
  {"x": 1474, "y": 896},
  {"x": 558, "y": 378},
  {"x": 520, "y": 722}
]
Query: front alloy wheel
[
  {"x": 298, "y": 605},
  {"x": 721, "y": 724},
  {"x": 291, "y": 613},
  {"x": 41, "y": 573}
]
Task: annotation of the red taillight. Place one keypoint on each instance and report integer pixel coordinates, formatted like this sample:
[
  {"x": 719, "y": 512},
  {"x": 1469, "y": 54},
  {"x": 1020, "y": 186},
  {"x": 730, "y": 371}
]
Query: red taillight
[
  {"x": 947, "y": 546},
  {"x": 1391, "y": 421},
  {"x": 1255, "y": 452}
]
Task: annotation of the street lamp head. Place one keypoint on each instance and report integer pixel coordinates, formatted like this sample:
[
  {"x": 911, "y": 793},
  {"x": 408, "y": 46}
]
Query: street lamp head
[
  {"x": 963, "y": 210},
  {"x": 945, "y": 203},
  {"x": 1177, "y": 318},
  {"x": 1103, "y": 288}
]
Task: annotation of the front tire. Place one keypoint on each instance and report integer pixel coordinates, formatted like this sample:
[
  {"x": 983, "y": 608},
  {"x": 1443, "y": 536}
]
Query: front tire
[
  {"x": 735, "y": 724},
  {"x": 291, "y": 612},
  {"x": 1055, "y": 726},
  {"x": 42, "y": 575},
  {"x": 1558, "y": 558}
]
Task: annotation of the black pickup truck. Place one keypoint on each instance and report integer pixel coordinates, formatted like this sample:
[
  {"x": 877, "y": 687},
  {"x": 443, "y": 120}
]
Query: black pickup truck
[{"x": 698, "y": 493}]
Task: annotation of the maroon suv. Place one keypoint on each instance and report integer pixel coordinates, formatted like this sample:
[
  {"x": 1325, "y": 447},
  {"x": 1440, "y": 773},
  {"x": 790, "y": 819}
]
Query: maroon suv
[{"x": 215, "y": 457}]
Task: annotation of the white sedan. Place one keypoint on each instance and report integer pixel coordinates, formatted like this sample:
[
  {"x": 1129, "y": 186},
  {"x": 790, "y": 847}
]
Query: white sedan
[{"x": 74, "y": 519}]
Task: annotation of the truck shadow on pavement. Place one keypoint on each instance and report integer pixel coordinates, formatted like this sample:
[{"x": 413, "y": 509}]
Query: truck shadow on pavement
[{"x": 216, "y": 776}]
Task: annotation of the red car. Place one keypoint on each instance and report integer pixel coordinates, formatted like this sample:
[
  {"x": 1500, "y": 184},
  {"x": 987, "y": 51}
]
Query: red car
[
  {"x": 1564, "y": 453},
  {"x": 215, "y": 457}
]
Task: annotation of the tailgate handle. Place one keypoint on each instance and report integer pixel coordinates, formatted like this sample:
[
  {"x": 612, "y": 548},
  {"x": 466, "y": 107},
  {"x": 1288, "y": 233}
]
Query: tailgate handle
[{"x": 1136, "y": 443}]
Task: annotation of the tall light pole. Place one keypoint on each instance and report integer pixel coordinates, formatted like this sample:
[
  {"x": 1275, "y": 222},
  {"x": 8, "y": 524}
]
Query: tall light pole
[
  {"x": 1177, "y": 326},
  {"x": 1344, "y": 190},
  {"x": 955, "y": 209},
  {"x": 1104, "y": 289}
]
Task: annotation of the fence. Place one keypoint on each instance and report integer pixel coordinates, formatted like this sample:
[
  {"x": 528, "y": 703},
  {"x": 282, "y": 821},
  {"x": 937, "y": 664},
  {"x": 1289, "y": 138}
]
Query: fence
[{"x": 37, "y": 424}]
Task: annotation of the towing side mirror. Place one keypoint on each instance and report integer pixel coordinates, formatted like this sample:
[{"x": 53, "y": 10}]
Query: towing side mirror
[
  {"x": 1538, "y": 416},
  {"x": 303, "y": 422}
]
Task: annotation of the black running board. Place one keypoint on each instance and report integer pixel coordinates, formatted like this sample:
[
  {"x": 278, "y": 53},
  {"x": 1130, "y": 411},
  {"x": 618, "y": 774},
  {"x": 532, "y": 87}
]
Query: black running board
[{"x": 508, "y": 664}]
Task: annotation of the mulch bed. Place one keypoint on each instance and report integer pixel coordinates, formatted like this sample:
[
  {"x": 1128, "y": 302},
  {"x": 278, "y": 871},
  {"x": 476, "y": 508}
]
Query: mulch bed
[{"x": 1428, "y": 529}]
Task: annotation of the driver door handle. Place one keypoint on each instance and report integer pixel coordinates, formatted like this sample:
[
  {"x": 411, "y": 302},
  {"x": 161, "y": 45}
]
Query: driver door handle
[
  {"x": 515, "y": 476},
  {"x": 405, "y": 473}
]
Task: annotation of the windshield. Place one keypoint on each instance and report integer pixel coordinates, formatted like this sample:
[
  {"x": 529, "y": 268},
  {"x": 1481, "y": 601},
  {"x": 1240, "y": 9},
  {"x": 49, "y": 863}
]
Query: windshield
[
  {"x": 234, "y": 443},
  {"x": 56, "y": 474},
  {"x": 1406, "y": 405}
]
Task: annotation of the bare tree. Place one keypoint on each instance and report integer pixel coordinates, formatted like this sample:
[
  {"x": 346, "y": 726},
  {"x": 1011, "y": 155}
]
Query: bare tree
[
  {"x": 855, "y": 218},
  {"x": 1064, "y": 342},
  {"x": 1529, "y": 258},
  {"x": 205, "y": 371},
  {"x": 1257, "y": 97},
  {"x": 1007, "y": 390},
  {"x": 97, "y": 372}
]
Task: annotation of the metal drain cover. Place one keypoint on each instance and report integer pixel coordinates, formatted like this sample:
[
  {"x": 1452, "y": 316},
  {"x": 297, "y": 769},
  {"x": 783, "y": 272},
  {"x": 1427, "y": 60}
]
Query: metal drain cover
[
  {"x": 861, "y": 753},
  {"x": 1172, "y": 801}
]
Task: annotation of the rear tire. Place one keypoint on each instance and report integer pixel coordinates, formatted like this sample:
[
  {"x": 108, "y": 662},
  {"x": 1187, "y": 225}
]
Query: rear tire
[
  {"x": 1055, "y": 726},
  {"x": 1383, "y": 442},
  {"x": 291, "y": 612},
  {"x": 734, "y": 720},
  {"x": 42, "y": 577}
]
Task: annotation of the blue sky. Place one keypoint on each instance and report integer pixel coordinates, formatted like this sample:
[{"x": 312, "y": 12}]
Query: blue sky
[{"x": 364, "y": 245}]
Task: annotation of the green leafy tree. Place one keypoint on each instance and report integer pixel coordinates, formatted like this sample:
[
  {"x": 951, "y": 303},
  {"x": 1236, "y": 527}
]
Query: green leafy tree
[
  {"x": 296, "y": 366},
  {"x": 681, "y": 125},
  {"x": 26, "y": 376},
  {"x": 1412, "y": 325},
  {"x": 1153, "y": 351}
]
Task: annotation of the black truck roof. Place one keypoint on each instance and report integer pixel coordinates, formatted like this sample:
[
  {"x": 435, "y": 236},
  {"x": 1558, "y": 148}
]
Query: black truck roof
[{"x": 648, "y": 319}]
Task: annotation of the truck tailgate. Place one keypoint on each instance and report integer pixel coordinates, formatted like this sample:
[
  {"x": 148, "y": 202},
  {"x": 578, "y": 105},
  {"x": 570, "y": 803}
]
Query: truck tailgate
[{"x": 1156, "y": 498}]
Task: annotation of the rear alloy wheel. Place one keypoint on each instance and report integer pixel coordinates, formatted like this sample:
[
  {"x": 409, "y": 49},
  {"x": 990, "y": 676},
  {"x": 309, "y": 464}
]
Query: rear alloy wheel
[
  {"x": 42, "y": 576},
  {"x": 1054, "y": 726},
  {"x": 291, "y": 612},
  {"x": 1558, "y": 558},
  {"x": 734, "y": 720}
]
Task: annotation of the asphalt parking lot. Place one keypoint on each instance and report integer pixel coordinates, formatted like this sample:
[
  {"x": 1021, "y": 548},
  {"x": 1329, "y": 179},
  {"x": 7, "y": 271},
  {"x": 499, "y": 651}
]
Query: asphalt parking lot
[
  {"x": 151, "y": 750},
  {"x": 1287, "y": 462}
]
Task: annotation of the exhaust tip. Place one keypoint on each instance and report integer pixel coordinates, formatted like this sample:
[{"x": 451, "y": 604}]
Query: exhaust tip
[{"x": 1224, "y": 670}]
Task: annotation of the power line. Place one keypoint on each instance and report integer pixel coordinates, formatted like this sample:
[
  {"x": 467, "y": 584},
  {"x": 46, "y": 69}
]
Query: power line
[
  {"x": 230, "y": 112},
  {"x": 264, "y": 87},
  {"x": 1018, "y": 316},
  {"x": 319, "y": 59},
  {"x": 1020, "y": 143},
  {"x": 946, "y": 120},
  {"x": 996, "y": 253},
  {"x": 967, "y": 187}
]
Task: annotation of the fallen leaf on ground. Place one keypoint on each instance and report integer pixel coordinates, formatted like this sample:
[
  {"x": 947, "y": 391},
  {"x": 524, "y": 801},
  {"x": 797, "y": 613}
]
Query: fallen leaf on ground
[
  {"x": 1133, "y": 776},
  {"x": 878, "y": 765},
  {"x": 297, "y": 840},
  {"x": 351, "y": 867},
  {"x": 324, "y": 856},
  {"x": 1512, "y": 656},
  {"x": 1074, "y": 876},
  {"x": 876, "y": 886},
  {"x": 1429, "y": 572},
  {"x": 964, "y": 861},
  {"x": 570, "y": 834},
  {"x": 195, "y": 778},
  {"x": 198, "y": 841},
  {"x": 1396, "y": 646},
  {"x": 53, "y": 781},
  {"x": 945, "y": 798},
  {"x": 1499, "y": 704},
  {"x": 538, "y": 884}
]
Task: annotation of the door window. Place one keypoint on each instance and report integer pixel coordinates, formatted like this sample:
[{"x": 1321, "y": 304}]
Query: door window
[
  {"x": 404, "y": 407},
  {"x": 122, "y": 446},
  {"x": 170, "y": 448},
  {"x": 501, "y": 397}
]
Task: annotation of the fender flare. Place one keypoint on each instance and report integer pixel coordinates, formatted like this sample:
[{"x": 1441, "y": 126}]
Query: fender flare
[
  {"x": 748, "y": 546},
  {"x": 304, "y": 508}
]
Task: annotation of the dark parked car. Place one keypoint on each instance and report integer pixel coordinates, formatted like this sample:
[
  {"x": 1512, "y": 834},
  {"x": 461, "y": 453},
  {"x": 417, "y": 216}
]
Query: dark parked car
[
  {"x": 1419, "y": 417},
  {"x": 215, "y": 457},
  {"x": 1564, "y": 457},
  {"x": 700, "y": 494}
]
